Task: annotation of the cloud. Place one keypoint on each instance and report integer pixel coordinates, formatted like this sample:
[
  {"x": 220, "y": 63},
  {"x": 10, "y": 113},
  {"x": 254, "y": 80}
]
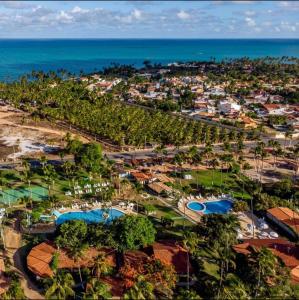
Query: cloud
[
  {"x": 16, "y": 4},
  {"x": 250, "y": 22},
  {"x": 64, "y": 17},
  {"x": 289, "y": 5},
  {"x": 137, "y": 14},
  {"x": 188, "y": 21},
  {"x": 250, "y": 13},
  {"x": 79, "y": 10},
  {"x": 183, "y": 15}
]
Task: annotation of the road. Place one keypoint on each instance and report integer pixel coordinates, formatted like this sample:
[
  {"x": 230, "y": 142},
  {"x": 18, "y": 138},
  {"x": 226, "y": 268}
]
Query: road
[
  {"x": 144, "y": 153},
  {"x": 141, "y": 153}
]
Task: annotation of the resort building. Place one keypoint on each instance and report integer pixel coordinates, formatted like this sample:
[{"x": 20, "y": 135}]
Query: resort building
[
  {"x": 159, "y": 188},
  {"x": 287, "y": 251},
  {"x": 172, "y": 253},
  {"x": 286, "y": 219},
  {"x": 141, "y": 177},
  {"x": 41, "y": 256}
]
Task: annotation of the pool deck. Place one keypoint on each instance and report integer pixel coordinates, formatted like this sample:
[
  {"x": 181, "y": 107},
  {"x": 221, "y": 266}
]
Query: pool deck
[
  {"x": 182, "y": 206},
  {"x": 90, "y": 207},
  {"x": 246, "y": 219}
]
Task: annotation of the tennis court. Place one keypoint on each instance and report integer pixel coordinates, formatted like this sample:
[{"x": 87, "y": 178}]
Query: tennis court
[{"x": 38, "y": 193}]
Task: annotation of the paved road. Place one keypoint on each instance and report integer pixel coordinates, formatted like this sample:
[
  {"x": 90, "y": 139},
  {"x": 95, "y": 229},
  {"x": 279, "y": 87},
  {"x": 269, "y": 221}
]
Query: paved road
[
  {"x": 173, "y": 150},
  {"x": 144, "y": 153}
]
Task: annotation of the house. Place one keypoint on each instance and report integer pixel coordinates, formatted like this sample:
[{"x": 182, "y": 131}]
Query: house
[
  {"x": 164, "y": 178},
  {"x": 40, "y": 258},
  {"x": 248, "y": 122},
  {"x": 273, "y": 109},
  {"x": 286, "y": 219},
  {"x": 141, "y": 177},
  {"x": 287, "y": 251},
  {"x": 159, "y": 188},
  {"x": 228, "y": 107},
  {"x": 172, "y": 253}
]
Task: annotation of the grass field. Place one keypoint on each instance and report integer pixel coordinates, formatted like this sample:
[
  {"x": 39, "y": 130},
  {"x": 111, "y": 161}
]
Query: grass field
[{"x": 209, "y": 181}]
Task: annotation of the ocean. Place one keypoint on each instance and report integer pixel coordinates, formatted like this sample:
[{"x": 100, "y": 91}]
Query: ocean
[{"x": 20, "y": 56}]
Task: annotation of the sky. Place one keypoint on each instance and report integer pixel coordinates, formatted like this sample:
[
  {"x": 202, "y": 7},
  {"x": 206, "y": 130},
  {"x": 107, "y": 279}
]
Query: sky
[{"x": 149, "y": 19}]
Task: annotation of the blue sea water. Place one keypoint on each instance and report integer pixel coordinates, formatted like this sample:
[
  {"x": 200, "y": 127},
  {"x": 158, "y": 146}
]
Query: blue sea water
[
  {"x": 19, "y": 56},
  {"x": 91, "y": 216}
]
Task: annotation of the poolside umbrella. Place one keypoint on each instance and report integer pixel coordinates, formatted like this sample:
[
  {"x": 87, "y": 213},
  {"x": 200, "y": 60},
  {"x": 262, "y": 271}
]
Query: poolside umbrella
[
  {"x": 264, "y": 234},
  {"x": 273, "y": 234},
  {"x": 264, "y": 225}
]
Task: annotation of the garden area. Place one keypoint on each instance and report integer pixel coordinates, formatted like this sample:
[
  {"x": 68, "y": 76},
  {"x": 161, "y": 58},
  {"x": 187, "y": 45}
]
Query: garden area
[{"x": 207, "y": 182}]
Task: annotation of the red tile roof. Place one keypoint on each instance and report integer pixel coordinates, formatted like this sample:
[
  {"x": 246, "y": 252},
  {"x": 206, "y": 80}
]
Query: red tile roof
[
  {"x": 269, "y": 107},
  {"x": 40, "y": 257},
  {"x": 287, "y": 251},
  {"x": 171, "y": 253},
  {"x": 286, "y": 216}
]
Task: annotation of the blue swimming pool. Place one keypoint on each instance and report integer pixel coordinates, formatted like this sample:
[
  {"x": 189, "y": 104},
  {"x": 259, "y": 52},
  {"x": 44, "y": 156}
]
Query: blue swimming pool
[
  {"x": 91, "y": 216},
  {"x": 211, "y": 207}
]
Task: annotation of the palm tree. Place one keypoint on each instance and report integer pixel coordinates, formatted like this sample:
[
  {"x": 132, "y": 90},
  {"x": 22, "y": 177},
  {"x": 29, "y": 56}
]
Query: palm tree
[
  {"x": 233, "y": 288},
  {"x": 100, "y": 265},
  {"x": 96, "y": 290},
  {"x": 60, "y": 286},
  {"x": 214, "y": 164},
  {"x": 141, "y": 290},
  {"x": 263, "y": 265}
]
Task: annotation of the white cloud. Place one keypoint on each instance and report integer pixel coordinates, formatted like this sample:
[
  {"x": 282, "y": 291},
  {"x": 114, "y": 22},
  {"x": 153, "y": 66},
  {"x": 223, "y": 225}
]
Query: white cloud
[
  {"x": 183, "y": 15},
  {"x": 64, "y": 17},
  {"x": 250, "y": 13},
  {"x": 79, "y": 10},
  {"x": 250, "y": 22},
  {"x": 137, "y": 14}
]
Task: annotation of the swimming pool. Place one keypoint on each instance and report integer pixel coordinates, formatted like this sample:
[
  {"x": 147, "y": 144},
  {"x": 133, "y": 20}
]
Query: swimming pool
[
  {"x": 211, "y": 207},
  {"x": 91, "y": 216}
]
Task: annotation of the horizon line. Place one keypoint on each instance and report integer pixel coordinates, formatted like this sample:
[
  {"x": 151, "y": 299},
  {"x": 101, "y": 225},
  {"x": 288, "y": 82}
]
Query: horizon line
[{"x": 139, "y": 38}]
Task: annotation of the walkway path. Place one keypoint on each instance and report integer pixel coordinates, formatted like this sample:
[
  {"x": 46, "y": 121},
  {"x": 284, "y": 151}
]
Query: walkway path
[
  {"x": 176, "y": 210},
  {"x": 13, "y": 244}
]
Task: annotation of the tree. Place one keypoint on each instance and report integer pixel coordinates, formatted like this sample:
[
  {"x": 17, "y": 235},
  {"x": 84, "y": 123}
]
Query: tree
[
  {"x": 141, "y": 290},
  {"x": 60, "y": 286},
  {"x": 14, "y": 292},
  {"x": 90, "y": 157},
  {"x": 162, "y": 276},
  {"x": 240, "y": 206},
  {"x": 185, "y": 294},
  {"x": 72, "y": 235},
  {"x": 264, "y": 271},
  {"x": 133, "y": 232},
  {"x": 96, "y": 290},
  {"x": 100, "y": 265},
  {"x": 233, "y": 288}
]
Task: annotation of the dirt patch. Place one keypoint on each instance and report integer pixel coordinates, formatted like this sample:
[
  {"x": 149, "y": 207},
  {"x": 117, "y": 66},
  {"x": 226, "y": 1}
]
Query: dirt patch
[
  {"x": 5, "y": 150},
  {"x": 20, "y": 135}
]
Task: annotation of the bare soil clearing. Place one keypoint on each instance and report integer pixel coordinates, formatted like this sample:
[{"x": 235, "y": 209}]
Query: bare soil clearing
[{"x": 19, "y": 135}]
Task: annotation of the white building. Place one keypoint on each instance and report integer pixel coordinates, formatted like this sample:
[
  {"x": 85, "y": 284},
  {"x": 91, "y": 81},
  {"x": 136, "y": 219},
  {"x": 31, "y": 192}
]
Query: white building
[{"x": 228, "y": 107}]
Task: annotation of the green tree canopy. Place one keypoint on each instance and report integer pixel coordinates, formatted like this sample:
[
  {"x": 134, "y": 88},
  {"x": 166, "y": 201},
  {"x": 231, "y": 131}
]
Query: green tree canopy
[
  {"x": 134, "y": 232},
  {"x": 72, "y": 235}
]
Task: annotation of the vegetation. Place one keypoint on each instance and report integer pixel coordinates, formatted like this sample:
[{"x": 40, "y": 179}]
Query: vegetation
[{"x": 133, "y": 232}]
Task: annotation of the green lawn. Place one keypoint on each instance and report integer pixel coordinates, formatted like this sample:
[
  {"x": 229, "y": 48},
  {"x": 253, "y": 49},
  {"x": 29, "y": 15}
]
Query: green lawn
[{"x": 214, "y": 182}]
